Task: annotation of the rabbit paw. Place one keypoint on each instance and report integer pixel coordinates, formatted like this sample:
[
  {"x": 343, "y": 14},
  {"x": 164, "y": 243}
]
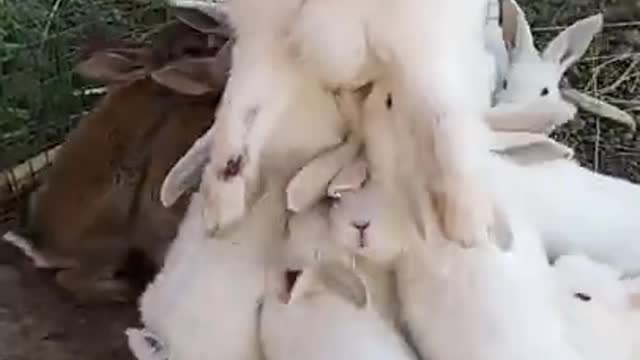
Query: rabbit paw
[{"x": 466, "y": 216}]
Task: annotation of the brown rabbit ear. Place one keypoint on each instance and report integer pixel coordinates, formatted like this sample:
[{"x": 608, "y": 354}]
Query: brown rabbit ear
[
  {"x": 349, "y": 178},
  {"x": 186, "y": 173},
  {"x": 196, "y": 76},
  {"x": 113, "y": 65},
  {"x": 212, "y": 22}
]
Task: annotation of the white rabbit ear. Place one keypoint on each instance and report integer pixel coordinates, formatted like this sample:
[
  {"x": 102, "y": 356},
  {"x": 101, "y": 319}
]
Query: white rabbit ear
[
  {"x": 349, "y": 178},
  {"x": 540, "y": 115},
  {"x": 566, "y": 48},
  {"x": 529, "y": 148},
  {"x": 145, "y": 346},
  {"x": 186, "y": 173},
  {"x": 333, "y": 278},
  {"x": 310, "y": 183},
  {"x": 518, "y": 38}
]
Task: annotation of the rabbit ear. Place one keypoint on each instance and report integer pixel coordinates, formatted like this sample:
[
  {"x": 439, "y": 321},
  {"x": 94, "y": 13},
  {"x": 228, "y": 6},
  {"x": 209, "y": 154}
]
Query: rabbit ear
[
  {"x": 349, "y": 178},
  {"x": 145, "y": 346},
  {"x": 196, "y": 76},
  {"x": 518, "y": 38},
  {"x": 345, "y": 282},
  {"x": 209, "y": 22},
  {"x": 309, "y": 184},
  {"x": 540, "y": 115},
  {"x": 214, "y": 10},
  {"x": 566, "y": 48},
  {"x": 529, "y": 148},
  {"x": 186, "y": 173},
  {"x": 113, "y": 65},
  {"x": 334, "y": 278}
]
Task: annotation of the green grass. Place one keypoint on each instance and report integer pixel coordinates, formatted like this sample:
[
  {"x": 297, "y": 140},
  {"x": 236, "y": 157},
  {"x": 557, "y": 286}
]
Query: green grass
[{"x": 39, "y": 43}]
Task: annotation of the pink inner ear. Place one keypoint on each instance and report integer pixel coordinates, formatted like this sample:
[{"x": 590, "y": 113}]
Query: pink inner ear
[{"x": 635, "y": 301}]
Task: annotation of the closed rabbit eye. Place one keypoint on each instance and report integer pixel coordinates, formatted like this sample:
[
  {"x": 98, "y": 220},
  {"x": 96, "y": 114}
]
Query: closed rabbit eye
[
  {"x": 332, "y": 201},
  {"x": 544, "y": 92},
  {"x": 505, "y": 83}
]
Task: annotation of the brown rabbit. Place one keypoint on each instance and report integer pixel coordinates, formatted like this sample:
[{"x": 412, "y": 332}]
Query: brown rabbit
[{"x": 99, "y": 201}]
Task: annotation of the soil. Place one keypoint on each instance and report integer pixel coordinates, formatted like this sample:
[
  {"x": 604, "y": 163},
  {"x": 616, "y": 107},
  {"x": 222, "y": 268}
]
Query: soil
[{"x": 38, "y": 321}]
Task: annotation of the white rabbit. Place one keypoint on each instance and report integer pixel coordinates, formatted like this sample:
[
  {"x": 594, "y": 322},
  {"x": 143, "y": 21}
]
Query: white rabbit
[
  {"x": 597, "y": 307},
  {"x": 312, "y": 232},
  {"x": 576, "y": 210},
  {"x": 478, "y": 303},
  {"x": 532, "y": 74},
  {"x": 528, "y": 97},
  {"x": 492, "y": 301},
  {"x": 325, "y": 314},
  {"x": 203, "y": 304},
  {"x": 354, "y": 46}
]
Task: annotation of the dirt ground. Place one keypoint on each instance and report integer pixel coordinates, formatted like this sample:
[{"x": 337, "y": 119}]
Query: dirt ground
[{"x": 37, "y": 321}]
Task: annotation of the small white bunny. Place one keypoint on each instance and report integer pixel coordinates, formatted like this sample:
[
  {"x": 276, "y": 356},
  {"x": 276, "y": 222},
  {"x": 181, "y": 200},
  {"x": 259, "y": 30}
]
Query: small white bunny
[
  {"x": 528, "y": 98},
  {"x": 492, "y": 301},
  {"x": 203, "y": 303}
]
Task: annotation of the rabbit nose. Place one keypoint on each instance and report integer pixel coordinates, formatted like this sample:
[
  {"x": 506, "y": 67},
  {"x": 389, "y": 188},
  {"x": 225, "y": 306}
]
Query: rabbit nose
[{"x": 360, "y": 225}]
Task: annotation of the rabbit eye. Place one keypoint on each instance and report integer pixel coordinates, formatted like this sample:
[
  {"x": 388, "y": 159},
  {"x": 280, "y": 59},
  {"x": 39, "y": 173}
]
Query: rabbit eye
[
  {"x": 544, "y": 92},
  {"x": 504, "y": 84},
  {"x": 332, "y": 201},
  {"x": 389, "y": 101},
  {"x": 582, "y": 296}
]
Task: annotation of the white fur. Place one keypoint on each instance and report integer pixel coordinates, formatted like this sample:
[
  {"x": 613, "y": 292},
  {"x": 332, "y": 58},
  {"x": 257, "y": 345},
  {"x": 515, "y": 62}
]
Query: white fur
[
  {"x": 600, "y": 325},
  {"x": 145, "y": 346},
  {"x": 478, "y": 303},
  {"x": 345, "y": 44},
  {"x": 530, "y": 72},
  {"x": 319, "y": 322},
  {"x": 203, "y": 304},
  {"x": 577, "y": 210}
]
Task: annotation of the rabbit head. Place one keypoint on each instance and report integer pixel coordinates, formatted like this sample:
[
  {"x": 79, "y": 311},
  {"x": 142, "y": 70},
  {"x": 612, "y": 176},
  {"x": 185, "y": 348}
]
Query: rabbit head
[{"x": 531, "y": 74}]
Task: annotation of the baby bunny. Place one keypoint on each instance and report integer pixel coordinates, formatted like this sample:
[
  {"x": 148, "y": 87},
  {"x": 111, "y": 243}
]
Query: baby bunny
[
  {"x": 204, "y": 302},
  {"x": 597, "y": 308},
  {"x": 528, "y": 98},
  {"x": 324, "y": 314},
  {"x": 284, "y": 36},
  {"x": 99, "y": 200},
  {"x": 533, "y": 75},
  {"x": 492, "y": 301}
]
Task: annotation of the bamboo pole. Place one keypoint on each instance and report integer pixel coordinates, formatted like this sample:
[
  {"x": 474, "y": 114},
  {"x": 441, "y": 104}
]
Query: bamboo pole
[{"x": 13, "y": 181}]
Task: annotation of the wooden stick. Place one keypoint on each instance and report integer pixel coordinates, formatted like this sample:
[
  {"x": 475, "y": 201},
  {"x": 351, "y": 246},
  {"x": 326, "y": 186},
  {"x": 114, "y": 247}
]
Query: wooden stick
[
  {"x": 599, "y": 107},
  {"x": 13, "y": 181}
]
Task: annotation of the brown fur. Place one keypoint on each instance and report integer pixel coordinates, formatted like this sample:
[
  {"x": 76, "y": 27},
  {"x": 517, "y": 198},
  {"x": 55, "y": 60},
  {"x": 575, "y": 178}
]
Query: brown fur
[{"x": 99, "y": 201}]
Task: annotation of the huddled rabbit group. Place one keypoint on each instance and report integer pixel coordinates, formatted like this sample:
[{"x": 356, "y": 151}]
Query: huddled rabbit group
[{"x": 378, "y": 182}]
